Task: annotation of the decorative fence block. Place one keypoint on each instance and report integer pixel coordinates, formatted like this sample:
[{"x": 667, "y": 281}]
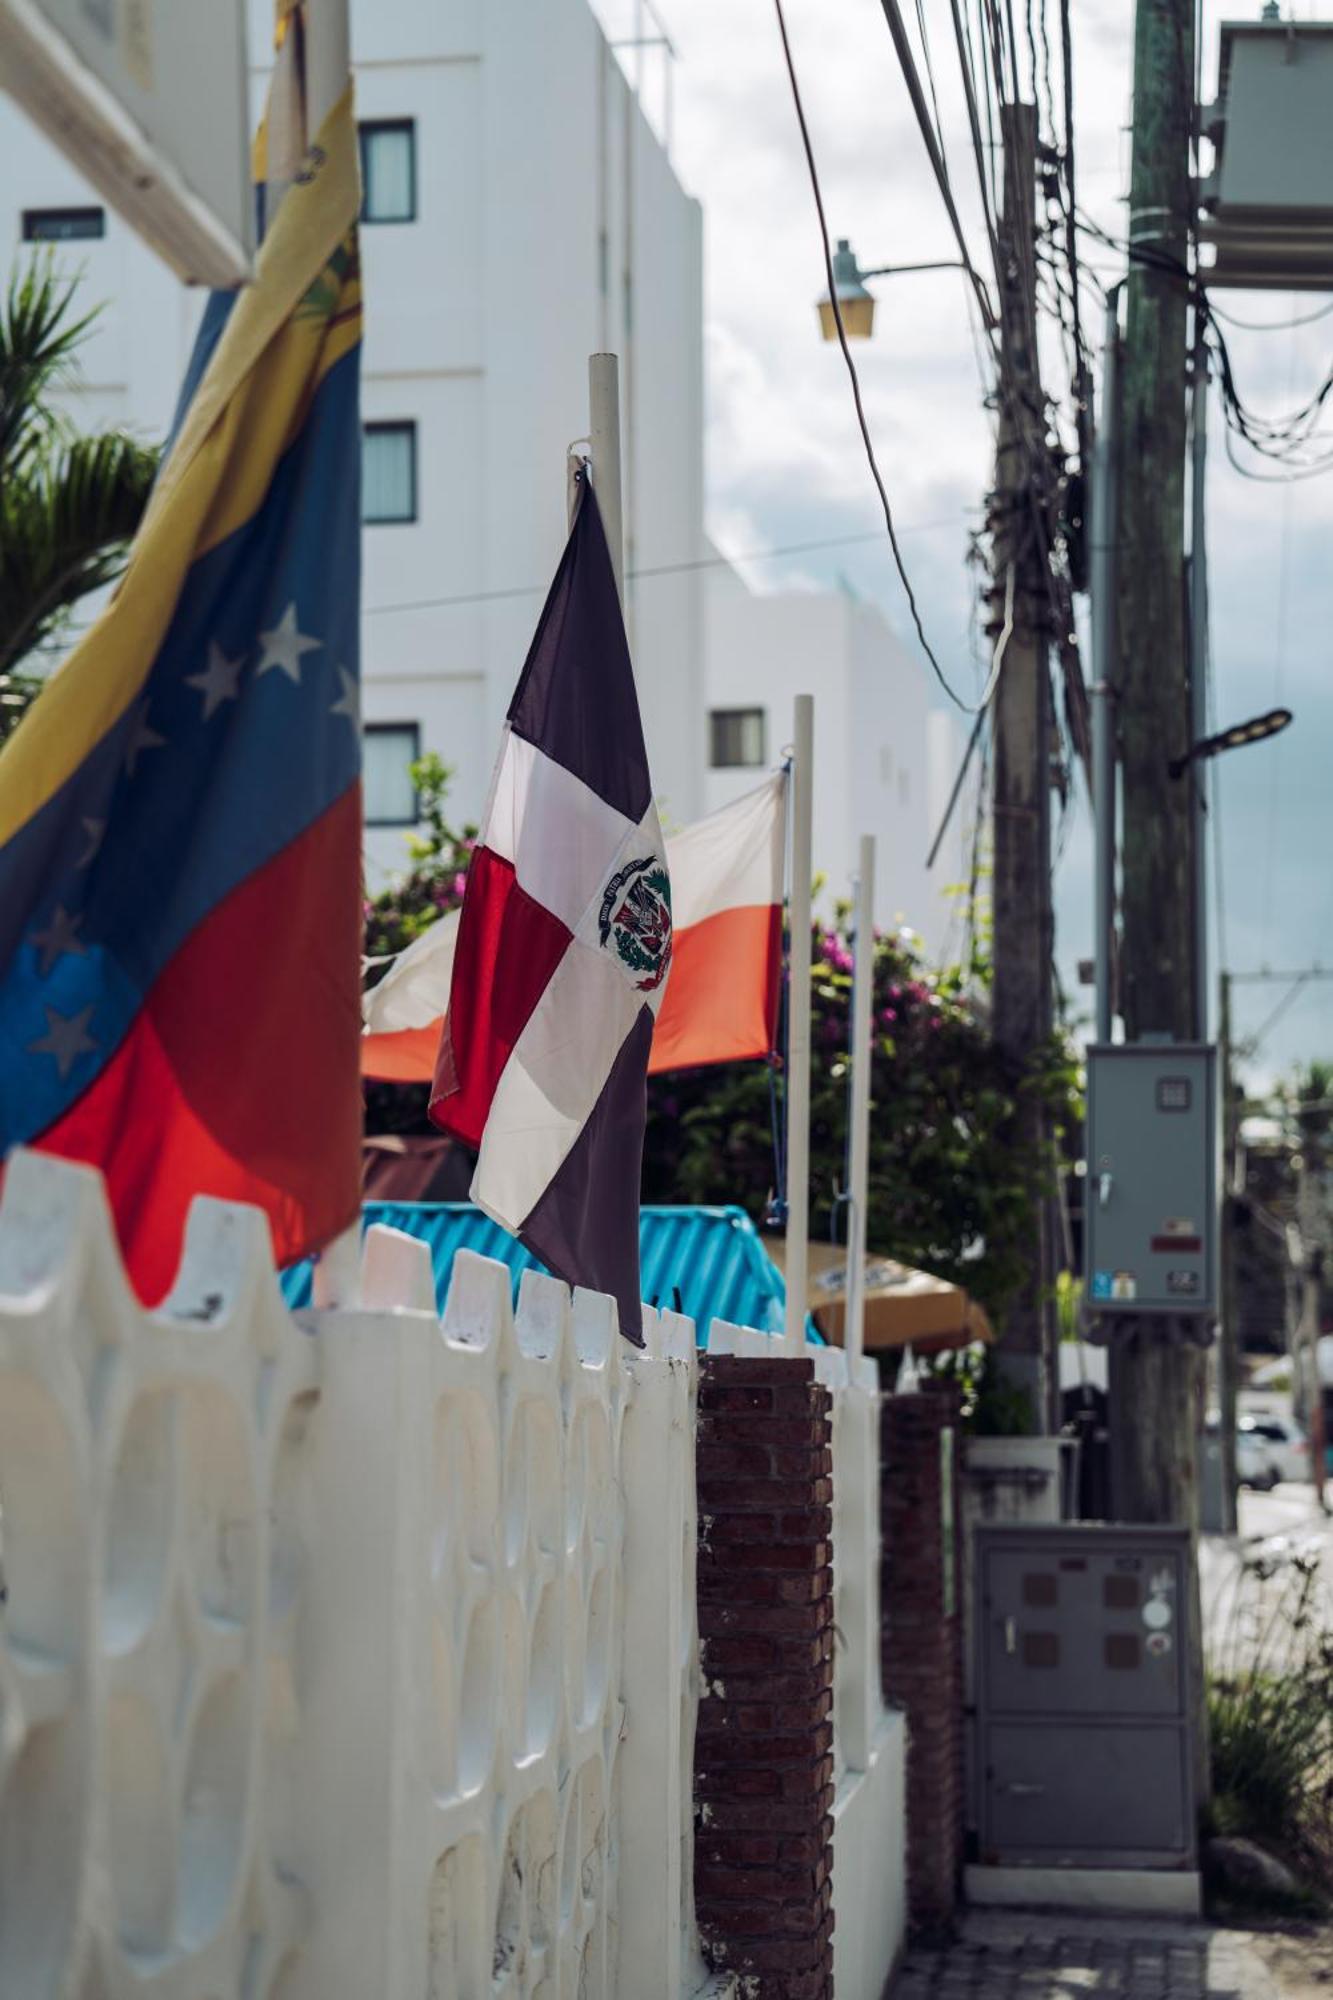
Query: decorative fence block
[
  {"x": 357, "y": 1653},
  {"x": 150, "y": 1697},
  {"x": 345, "y": 1655}
]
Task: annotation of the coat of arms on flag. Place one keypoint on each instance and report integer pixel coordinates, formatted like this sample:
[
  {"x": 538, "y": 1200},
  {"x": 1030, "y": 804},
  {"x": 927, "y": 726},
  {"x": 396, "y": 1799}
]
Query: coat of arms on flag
[{"x": 564, "y": 946}]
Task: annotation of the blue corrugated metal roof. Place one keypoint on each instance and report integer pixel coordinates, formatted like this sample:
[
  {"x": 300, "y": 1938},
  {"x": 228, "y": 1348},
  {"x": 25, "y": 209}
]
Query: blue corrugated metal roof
[{"x": 713, "y": 1257}]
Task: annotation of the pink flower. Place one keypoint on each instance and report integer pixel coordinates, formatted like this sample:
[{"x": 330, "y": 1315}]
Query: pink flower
[{"x": 460, "y": 884}]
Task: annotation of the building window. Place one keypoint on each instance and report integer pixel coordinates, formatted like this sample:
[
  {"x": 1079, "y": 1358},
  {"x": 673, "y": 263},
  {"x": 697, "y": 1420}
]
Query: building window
[
  {"x": 737, "y": 738},
  {"x": 389, "y": 171},
  {"x": 63, "y": 225},
  {"x": 389, "y": 472},
  {"x": 388, "y": 752}
]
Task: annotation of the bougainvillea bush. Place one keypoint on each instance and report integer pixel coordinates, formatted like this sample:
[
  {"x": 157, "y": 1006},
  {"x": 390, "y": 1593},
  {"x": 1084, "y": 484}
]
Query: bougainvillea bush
[{"x": 951, "y": 1189}]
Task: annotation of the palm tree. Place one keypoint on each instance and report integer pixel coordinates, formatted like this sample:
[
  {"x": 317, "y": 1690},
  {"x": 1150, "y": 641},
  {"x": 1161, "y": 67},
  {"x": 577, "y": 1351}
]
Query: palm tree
[{"x": 69, "y": 504}]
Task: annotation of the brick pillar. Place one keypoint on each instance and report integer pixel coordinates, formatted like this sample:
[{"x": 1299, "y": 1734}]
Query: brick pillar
[
  {"x": 763, "y": 1763},
  {"x": 921, "y": 1655}
]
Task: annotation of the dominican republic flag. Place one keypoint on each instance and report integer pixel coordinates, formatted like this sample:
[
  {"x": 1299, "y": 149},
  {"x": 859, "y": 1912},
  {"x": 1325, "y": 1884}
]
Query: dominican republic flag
[
  {"x": 721, "y": 1001},
  {"x": 180, "y": 812},
  {"x": 564, "y": 945}
]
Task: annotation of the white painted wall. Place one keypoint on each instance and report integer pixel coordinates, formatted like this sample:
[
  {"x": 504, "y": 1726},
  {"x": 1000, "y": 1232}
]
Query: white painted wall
[{"x": 880, "y": 751}]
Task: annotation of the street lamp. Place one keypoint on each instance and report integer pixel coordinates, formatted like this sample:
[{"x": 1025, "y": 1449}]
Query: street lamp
[
  {"x": 1257, "y": 730},
  {"x": 855, "y": 301}
]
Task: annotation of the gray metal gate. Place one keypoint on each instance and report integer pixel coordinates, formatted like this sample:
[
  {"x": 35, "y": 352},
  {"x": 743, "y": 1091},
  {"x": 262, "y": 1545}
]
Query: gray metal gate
[{"x": 1082, "y": 1662}]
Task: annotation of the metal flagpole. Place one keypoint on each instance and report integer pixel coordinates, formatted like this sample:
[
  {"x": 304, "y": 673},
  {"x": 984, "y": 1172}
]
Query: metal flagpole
[
  {"x": 336, "y": 1277},
  {"x": 798, "y": 1030},
  {"x": 863, "y": 986},
  {"x": 604, "y": 450}
]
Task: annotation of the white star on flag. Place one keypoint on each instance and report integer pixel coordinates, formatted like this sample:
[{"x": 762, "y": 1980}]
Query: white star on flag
[
  {"x": 219, "y": 681},
  {"x": 66, "y": 1038},
  {"x": 60, "y": 936},
  {"x": 141, "y": 738},
  {"x": 283, "y": 647},
  {"x": 348, "y": 703}
]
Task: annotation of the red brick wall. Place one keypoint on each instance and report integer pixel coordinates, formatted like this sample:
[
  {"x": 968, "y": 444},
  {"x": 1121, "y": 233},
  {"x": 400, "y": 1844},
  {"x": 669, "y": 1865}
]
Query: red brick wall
[
  {"x": 763, "y": 1764},
  {"x": 921, "y": 1657}
]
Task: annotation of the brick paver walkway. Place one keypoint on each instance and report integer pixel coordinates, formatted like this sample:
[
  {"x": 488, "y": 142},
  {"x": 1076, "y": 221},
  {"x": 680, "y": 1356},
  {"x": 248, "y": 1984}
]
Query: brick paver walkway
[{"x": 1017, "y": 1955}]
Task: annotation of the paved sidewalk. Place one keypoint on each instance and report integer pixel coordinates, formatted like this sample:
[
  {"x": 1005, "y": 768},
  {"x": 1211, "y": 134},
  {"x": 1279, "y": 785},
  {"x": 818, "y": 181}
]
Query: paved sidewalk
[{"x": 1022, "y": 1955}]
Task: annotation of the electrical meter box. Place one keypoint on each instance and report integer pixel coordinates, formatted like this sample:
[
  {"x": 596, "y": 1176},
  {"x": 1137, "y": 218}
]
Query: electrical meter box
[
  {"x": 1151, "y": 1197},
  {"x": 1083, "y": 1714}
]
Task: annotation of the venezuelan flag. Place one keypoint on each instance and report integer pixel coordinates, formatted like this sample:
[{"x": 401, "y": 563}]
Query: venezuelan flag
[{"x": 180, "y": 816}]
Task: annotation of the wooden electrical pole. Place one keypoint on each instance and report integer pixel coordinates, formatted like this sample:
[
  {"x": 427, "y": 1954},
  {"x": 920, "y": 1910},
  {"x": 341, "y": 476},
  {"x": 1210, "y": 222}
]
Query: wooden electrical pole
[
  {"x": 1156, "y": 1371},
  {"x": 1019, "y": 622},
  {"x": 1228, "y": 1339}
]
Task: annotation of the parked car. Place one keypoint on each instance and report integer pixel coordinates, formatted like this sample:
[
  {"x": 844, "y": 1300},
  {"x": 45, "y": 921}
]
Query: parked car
[
  {"x": 1288, "y": 1446},
  {"x": 1254, "y": 1460}
]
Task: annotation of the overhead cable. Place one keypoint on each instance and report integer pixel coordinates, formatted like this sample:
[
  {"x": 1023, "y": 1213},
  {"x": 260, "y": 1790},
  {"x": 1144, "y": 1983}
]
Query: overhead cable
[
  {"x": 851, "y": 364},
  {"x": 907, "y": 63}
]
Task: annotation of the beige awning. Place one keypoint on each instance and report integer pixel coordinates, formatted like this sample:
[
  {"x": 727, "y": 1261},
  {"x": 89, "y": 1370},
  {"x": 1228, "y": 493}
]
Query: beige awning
[{"x": 904, "y": 1308}]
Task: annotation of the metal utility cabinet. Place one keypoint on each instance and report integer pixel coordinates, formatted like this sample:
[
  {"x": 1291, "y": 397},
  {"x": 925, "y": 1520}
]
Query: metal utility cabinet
[
  {"x": 1083, "y": 1729},
  {"x": 1150, "y": 1226}
]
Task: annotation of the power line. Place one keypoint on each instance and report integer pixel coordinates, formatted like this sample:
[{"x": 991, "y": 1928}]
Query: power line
[
  {"x": 1269, "y": 325},
  {"x": 907, "y": 64},
  {"x": 847, "y": 352},
  {"x": 667, "y": 569}
]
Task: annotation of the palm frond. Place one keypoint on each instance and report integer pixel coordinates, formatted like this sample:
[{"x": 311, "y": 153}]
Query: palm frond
[
  {"x": 38, "y": 341},
  {"x": 66, "y": 518}
]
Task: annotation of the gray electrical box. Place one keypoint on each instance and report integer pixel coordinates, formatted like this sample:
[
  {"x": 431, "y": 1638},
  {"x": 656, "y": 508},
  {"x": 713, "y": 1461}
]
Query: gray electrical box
[
  {"x": 1268, "y": 205},
  {"x": 1151, "y": 1196},
  {"x": 1083, "y": 1717}
]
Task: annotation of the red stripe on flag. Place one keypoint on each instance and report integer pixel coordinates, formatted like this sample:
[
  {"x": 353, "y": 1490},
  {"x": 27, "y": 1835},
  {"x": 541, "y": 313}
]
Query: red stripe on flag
[
  {"x": 721, "y": 1000},
  {"x": 239, "y": 1076},
  {"x": 508, "y": 947}
]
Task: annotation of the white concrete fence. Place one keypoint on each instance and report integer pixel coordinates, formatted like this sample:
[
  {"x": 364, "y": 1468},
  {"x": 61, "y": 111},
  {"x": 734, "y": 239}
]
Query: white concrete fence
[{"x": 354, "y": 1653}]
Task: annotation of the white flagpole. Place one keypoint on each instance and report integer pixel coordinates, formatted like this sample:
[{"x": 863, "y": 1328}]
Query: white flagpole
[
  {"x": 863, "y": 986},
  {"x": 798, "y": 1030},
  {"x": 328, "y": 60},
  {"x": 604, "y": 451}
]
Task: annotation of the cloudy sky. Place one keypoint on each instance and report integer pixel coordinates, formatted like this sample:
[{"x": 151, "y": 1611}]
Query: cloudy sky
[{"x": 785, "y": 462}]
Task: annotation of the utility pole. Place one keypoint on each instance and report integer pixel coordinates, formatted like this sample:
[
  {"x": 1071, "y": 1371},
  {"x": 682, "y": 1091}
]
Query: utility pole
[
  {"x": 1228, "y": 1348},
  {"x": 1156, "y": 1371},
  {"x": 1021, "y": 889}
]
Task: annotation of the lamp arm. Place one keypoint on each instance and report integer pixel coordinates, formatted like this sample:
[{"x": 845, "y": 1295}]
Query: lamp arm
[{"x": 897, "y": 270}]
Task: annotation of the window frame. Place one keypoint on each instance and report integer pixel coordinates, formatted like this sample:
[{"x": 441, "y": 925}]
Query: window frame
[
  {"x": 741, "y": 715},
  {"x": 86, "y": 210},
  {"x": 408, "y": 426},
  {"x": 380, "y": 727},
  {"x": 373, "y": 125}
]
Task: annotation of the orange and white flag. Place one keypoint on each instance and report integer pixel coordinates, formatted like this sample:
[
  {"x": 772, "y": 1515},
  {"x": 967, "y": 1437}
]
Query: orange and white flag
[{"x": 721, "y": 999}]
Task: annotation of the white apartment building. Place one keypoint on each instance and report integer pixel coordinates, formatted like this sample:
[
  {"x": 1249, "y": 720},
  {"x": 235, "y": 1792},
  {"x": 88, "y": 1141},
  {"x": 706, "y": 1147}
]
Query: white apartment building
[{"x": 520, "y": 213}]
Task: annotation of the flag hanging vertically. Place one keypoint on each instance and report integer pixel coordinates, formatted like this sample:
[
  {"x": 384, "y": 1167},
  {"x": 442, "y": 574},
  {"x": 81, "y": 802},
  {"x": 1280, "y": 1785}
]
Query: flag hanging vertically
[
  {"x": 564, "y": 946},
  {"x": 721, "y": 1002},
  {"x": 180, "y": 826}
]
